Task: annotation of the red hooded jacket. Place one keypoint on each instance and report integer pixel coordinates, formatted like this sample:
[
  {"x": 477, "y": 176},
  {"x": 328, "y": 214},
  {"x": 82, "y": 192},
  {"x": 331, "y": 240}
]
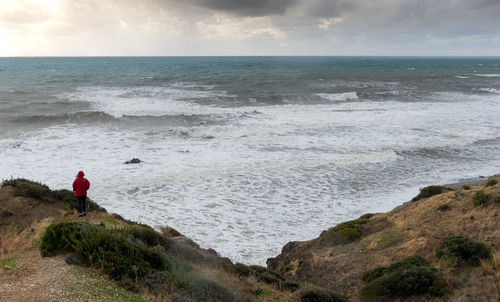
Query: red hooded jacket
[{"x": 81, "y": 185}]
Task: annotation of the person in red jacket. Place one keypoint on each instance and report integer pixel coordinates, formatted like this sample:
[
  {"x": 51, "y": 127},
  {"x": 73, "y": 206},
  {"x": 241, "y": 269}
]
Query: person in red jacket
[{"x": 80, "y": 186}]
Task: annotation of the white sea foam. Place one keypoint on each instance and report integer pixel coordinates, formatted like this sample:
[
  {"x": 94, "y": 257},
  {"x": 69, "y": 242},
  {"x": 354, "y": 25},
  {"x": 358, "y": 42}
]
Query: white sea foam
[
  {"x": 344, "y": 96},
  {"x": 144, "y": 101},
  {"x": 491, "y": 90},
  {"x": 462, "y": 77},
  {"x": 488, "y": 75},
  {"x": 263, "y": 180}
]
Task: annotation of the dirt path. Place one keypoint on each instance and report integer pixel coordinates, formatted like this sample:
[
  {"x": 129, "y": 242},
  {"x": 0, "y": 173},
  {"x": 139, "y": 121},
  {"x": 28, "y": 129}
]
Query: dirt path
[{"x": 37, "y": 279}]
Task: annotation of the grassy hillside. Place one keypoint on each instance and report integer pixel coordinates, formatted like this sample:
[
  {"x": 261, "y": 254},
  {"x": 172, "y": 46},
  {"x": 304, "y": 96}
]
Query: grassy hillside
[
  {"x": 444, "y": 245},
  {"x": 47, "y": 253}
]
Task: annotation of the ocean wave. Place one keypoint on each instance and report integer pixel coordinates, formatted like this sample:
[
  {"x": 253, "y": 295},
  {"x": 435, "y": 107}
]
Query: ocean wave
[
  {"x": 462, "y": 77},
  {"x": 491, "y": 90},
  {"x": 344, "y": 96},
  {"x": 488, "y": 75}
]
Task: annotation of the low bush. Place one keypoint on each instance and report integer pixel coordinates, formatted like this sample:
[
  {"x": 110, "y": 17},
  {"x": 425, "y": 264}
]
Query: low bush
[
  {"x": 101, "y": 248},
  {"x": 313, "y": 293},
  {"x": 480, "y": 198},
  {"x": 460, "y": 250},
  {"x": 344, "y": 232},
  {"x": 28, "y": 188},
  {"x": 412, "y": 261},
  {"x": 241, "y": 270},
  {"x": 496, "y": 199},
  {"x": 466, "y": 187},
  {"x": 264, "y": 275},
  {"x": 444, "y": 207},
  {"x": 409, "y": 277},
  {"x": 491, "y": 182},
  {"x": 428, "y": 192}
]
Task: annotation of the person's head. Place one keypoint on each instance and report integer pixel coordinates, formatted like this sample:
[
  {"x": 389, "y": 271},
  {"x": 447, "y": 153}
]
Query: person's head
[{"x": 81, "y": 174}]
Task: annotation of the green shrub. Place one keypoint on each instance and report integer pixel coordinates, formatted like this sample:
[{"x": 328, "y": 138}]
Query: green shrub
[
  {"x": 264, "y": 275},
  {"x": 410, "y": 262},
  {"x": 496, "y": 199},
  {"x": 428, "y": 192},
  {"x": 466, "y": 187},
  {"x": 444, "y": 207},
  {"x": 313, "y": 293},
  {"x": 241, "y": 270},
  {"x": 28, "y": 188},
  {"x": 409, "y": 277},
  {"x": 480, "y": 198},
  {"x": 344, "y": 232},
  {"x": 147, "y": 235},
  {"x": 460, "y": 250},
  {"x": 101, "y": 248},
  {"x": 491, "y": 182}
]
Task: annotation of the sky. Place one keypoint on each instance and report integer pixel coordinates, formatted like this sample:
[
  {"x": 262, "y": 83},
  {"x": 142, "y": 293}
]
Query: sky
[{"x": 249, "y": 27}]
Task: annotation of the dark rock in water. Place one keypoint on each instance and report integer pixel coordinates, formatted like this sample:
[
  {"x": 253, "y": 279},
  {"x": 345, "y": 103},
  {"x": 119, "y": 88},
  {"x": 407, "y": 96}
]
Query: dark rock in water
[
  {"x": 6, "y": 213},
  {"x": 208, "y": 137},
  {"x": 133, "y": 161},
  {"x": 481, "y": 176}
]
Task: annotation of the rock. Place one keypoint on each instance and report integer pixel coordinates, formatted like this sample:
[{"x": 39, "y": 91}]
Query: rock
[
  {"x": 208, "y": 137},
  {"x": 6, "y": 213},
  {"x": 133, "y": 161}
]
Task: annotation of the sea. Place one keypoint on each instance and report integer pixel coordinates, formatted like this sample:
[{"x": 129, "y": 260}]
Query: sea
[{"x": 244, "y": 154}]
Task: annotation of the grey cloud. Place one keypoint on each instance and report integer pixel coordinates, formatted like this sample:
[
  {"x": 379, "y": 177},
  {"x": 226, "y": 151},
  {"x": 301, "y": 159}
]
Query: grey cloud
[
  {"x": 248, "y": 7},
  {"x": 327, "y": 8}
]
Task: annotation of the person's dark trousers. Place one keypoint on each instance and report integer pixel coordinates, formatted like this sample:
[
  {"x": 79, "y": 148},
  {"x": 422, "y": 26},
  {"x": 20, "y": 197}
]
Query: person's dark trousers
[{"x": 81, "y": 204}]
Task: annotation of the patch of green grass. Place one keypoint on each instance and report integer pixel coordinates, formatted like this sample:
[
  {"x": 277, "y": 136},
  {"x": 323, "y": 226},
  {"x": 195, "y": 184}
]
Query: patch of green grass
[
  {"x": 480, "y": 198},
  {"x": 11, "y": 263},
  {"x": 388, "y": 239},
  {"x": 259, "y": 291},
  {"x": 428, "y": 192},
  {"x": 491, "y": 182},
  {"x": 466, "y": 187},
  {"x": 409, "y": 277},
  {"x": 460, "y": 250},
  {"x": 444, "y": 207}
]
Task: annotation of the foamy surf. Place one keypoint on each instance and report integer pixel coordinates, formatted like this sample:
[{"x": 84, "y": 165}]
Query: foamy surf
[
  {"x": 245, "y": 157},
  {"x": 344, "y": 96}
]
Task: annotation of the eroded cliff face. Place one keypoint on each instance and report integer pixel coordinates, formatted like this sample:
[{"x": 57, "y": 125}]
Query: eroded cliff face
[{"x": 338, "y": 258}]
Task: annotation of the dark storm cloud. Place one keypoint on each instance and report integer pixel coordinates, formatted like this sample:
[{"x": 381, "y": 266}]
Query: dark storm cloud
[
  {"x": 326, "y": 8},
  {"x": 248, "y": 7}
]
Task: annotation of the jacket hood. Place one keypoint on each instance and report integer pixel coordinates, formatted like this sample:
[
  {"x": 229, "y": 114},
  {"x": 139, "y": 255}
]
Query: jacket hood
[{"x": 81, "y": 174}]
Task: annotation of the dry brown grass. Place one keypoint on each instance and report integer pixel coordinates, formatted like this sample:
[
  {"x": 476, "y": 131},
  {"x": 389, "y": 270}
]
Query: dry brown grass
[{"x": 414, "y": 228}]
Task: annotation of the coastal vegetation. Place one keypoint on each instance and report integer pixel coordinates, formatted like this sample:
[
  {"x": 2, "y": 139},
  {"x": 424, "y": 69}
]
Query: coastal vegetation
[
  {"x": 414, "y": 251},
  {"x": 428, "y": 192},
  {"x": 408, "y": 277}
]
